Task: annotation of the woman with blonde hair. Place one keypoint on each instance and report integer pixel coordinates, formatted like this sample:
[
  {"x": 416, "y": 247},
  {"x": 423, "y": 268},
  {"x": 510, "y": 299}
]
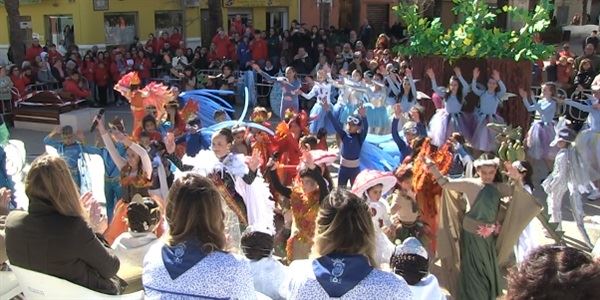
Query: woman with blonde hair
[
  {"x": 345, "y": 266},
  {"x": 192, "y": 262},
  {"x": 55, "y": 235}
]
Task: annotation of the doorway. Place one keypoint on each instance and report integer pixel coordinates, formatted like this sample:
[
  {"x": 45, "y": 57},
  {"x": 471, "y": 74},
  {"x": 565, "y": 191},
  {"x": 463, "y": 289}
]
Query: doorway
[
  {"x": 59, "y": 29},
  {"x": 277, "y": 18}
]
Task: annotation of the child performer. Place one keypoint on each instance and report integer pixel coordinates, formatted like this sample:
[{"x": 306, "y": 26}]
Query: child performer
[
  {"x": 542, "y": 130},
  {"x": 246, "y": 196},
  {"x": 352, "y": 140},
  {"x": 450, "y": 118},
  {"x": 289, "y": 85},
  {"x": 377, "y": 111},
  {"x": 321, "y": 89},
  {"x": 371, "y": 185},
  {"x": 404, "y": 211},
  {"x": 486, "y": 112},
  {"x": 588, "y": 140},
  {"x": 568, "y": 175},
  {"x": 527, "y": 240},
  {"x": 305, "y": 199}
]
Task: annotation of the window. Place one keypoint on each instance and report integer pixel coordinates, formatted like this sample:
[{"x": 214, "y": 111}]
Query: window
[
  {"x": 277, "y": 18},
  {"x": 59, "y": 30},
  {"x": 166, "y": 21},
  {"x": 120, "y": 28}
]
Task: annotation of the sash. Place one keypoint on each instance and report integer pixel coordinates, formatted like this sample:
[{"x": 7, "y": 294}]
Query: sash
[
  {"x": 181, "y": 257},
  {"x": 339, "y": 273}
]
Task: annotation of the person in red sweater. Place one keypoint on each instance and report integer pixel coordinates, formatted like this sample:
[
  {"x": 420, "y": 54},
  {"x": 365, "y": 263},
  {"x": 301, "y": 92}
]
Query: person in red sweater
[
  {"x": 33, "y": 51},
  {"x": 152, "y": 43},
  {"x": 223, "y": 44},
  {"x": 88, "y": 67},
  {"x": 259, "y": 48},
  {"x": 72, "y": 85},
  {"x": 163, "y": 39},
  {"x": 237, "y": 25},
  {"x": 101, "y": 77},
  {"x": 19, "y": 81},
  {"x": 53, "y": 54},
  {"x": 143, "y": 65},
  {"x": 175, "y": 39}
]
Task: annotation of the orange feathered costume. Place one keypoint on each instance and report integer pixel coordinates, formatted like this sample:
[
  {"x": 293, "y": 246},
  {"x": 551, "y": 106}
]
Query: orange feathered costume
[{"x": 153, "y": 94}]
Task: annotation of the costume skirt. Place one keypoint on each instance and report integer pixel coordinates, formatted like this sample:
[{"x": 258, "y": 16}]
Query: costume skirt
[
  {"x": 443, "y": 124},
  {"x": 483, "y": 138},
  {"x": 378, "y": 116},
  {"x": 318, "y": 120},
  {"x": 539, "y": 137},
  {"x": 588, "y": 146},
  {"x": 343, "y": 110}
]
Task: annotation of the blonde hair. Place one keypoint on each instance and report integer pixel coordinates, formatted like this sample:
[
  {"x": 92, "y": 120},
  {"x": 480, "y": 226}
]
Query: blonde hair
[
  {"x": 194, "y": 211},
  {"x": 50, "y": 179},
  {"x": 344, "y": 226}
]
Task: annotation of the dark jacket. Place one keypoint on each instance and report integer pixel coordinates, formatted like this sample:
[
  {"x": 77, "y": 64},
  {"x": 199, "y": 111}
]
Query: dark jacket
[{"x": 45, "y": 241}]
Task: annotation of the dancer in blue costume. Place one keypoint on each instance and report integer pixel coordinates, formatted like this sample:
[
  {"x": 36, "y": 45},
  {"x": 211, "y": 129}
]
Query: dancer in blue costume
[
  {"x": 484, "y": 139},
  {"x": 542, "y": 129},
  {"x": 408, "y": 93},
  {"x": 393, "y": 82},
  {"x": 588, "y": 140},
  {"x": 352, "y": 141},
  {"x": 290, "y": 85},
  {"x": 317, "y": 116},
  {"x": 208, "y": 102},
  {"x": 450, "y": 118},
  {"x": 376, "y": 110},
  {"x": 72, "y": 152},
  {"x": 352, "y": 93}
]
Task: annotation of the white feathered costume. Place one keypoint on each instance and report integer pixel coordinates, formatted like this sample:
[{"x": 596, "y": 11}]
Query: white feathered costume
[{"x": 256, "y": 196}]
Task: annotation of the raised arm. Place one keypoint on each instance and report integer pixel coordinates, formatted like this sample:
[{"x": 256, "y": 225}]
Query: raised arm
[
  {"x": 49, "y": 139},
  {"x": 439, "y": 90},
  {"x": 579, "y": 105},
  {"x": 312, "y": 92},
  {"x": 474, "y": 87},
  {"x": 336, "y": 123},
  {"x": 277, "y": 185},
  {"x": 402, "y": 146},
  {"x": 529, "y": 106}
]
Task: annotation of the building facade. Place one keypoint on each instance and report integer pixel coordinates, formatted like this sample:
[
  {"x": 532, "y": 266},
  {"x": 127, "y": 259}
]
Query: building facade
[
  {"x": 105, "y": 23},
  {"x": 348, "y": 13}
]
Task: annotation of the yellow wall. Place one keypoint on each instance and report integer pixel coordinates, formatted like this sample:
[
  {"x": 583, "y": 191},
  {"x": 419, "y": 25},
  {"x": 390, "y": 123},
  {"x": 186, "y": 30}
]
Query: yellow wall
[{"x": 89, "y": 24}]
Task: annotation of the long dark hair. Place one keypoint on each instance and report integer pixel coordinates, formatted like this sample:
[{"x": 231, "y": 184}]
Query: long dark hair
[
  {"x": 459, "y": 92},
  {"x": 528, "y": 174}
]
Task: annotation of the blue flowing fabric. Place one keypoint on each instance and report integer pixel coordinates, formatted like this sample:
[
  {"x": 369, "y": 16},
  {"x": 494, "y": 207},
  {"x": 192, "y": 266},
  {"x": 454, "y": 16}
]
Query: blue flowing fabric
[
  {"x": 209, "y": 101},
  {"x": 379, "y": 152}
]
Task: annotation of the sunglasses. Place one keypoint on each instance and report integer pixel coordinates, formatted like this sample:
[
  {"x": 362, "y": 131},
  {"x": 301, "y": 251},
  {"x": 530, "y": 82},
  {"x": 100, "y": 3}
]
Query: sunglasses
[{"x": 353, "y": 120}]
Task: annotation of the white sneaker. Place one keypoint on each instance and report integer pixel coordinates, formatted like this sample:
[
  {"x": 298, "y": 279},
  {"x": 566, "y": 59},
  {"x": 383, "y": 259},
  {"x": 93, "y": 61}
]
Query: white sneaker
[{"x": 593, "y": 196}]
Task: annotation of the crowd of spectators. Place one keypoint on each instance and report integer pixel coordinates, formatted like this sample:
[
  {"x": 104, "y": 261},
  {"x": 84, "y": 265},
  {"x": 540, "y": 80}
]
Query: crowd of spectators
[{"x": 90, "y": 74}]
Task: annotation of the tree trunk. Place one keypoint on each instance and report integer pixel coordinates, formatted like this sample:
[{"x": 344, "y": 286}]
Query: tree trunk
[
  {"x": 584, "y": 12},
  {"x": 502, "y": 19},
  {"x": 17, "y": 48},
  {"x": 356, "y": 21},
  {"x": 215, "y": 16}
]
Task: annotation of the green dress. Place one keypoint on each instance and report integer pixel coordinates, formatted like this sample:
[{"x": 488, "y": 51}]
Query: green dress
[{"x": 480, "y": 275}]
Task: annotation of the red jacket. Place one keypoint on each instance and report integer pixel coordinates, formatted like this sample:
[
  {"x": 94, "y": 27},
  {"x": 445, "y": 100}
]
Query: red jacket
[
  {"x": 153, "y": 43},
  {"x": 259, "y": 50},
  {"x": 20, "y": 83},
  {"x": 53, "y": 56},
  {"x": 174, "y": 40},
  {"x": 101, "y": 76},
  {"x": 87, "y": 70},
  {"x": 72, "y": 87},
  {"x": 143, "y": 66},
  {"x": 224, "y": 46},
  {"x": 32, "y": 52}
]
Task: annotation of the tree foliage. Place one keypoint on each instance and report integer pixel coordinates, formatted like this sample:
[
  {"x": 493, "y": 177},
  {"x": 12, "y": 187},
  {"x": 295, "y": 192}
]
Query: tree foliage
[{"x": 475, "y": 36}]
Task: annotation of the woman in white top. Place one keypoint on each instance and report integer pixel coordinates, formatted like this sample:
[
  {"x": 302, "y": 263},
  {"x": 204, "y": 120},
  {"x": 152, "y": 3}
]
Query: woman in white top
[
  {"x": 192, "y": 263},
  {"x": 345, "y": 266}
]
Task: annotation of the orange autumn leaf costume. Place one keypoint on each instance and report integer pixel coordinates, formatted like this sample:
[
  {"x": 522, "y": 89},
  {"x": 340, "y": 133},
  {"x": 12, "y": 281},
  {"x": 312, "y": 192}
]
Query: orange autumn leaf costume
[
  {"x": 304, "y": 211},
  {"x": 428, "y": 191}
]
